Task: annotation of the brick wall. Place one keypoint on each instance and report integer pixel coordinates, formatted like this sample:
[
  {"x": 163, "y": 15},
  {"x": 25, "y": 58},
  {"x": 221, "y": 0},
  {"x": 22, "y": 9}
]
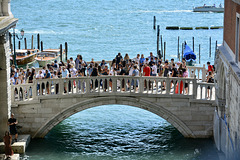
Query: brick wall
[{"x": 231, "y": 8}]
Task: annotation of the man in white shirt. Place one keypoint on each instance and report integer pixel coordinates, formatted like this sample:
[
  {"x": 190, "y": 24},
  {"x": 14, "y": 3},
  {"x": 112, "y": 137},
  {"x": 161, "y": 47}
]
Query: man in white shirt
[
  {"x": 65, "y": 74},
  {"x": 154, "y": 69}
]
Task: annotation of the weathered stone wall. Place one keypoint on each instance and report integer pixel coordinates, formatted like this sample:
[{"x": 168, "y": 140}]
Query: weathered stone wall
[
  {"x": 5, "y": 90},
  {"x": 193, "y": 118},
  {"x": 228, "y": 98}
]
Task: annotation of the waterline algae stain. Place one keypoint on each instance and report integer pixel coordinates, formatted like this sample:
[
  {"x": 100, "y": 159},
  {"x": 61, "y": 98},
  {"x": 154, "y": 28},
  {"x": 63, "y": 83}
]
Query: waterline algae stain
[{"x": 100, "y": 29}]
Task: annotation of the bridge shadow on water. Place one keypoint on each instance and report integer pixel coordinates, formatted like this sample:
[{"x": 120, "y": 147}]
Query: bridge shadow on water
[{"x": 118, "y": 132}]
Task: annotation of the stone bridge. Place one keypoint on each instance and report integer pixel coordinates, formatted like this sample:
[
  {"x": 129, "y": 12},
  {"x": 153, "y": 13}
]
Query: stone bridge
[{"x": 187, "y": 109}]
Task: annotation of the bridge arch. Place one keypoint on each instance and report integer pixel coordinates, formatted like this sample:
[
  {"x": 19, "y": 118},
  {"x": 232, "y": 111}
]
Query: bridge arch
[{"x": 98, "y": 101}]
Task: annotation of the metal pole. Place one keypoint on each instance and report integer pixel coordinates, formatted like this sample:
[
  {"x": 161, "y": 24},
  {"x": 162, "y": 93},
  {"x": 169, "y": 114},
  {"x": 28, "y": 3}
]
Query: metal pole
[{"x": 14, "y": 48}]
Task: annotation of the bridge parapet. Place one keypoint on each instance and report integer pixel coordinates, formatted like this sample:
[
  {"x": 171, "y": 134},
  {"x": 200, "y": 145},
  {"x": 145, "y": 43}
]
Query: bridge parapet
[{"x": 125, "y": 85}]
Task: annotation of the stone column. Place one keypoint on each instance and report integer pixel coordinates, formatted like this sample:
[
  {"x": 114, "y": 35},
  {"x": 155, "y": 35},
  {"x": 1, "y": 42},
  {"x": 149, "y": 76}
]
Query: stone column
[
  {"x": 5, "y": 88},
  {"x": 6, "y": 8}
]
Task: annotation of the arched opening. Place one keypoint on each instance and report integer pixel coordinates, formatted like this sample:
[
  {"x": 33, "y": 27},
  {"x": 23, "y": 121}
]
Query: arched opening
[
  {"x": 117, "y": 132},
  {"x": 93, "y": 102}
]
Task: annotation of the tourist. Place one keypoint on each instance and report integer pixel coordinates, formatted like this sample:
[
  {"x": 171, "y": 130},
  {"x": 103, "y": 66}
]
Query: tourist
[
  {"x": 151, "y": 56},
  {"x": 209, "y": 80},
  {"x": 165, "y": 73},
  {"x": 137, "y": 59},
  {"x": 102, "y": 64},
  {"x": 159, "y": 68},
  {"x": 65, "y": 74},
  {"x": 47, "y": 75},
  {"x": 135, "y": 73},
  {"x": 126, "y": 58},
  {"x": 13, "y": 69},
  {"x": 174, "y": 72},
  {"x": 180, "y": 74},
  {"x": 105, "y": 72},
  {"x": 77, "y": 61},
  {"x": 90, "y": 69},
  {"x": 7, "y": 139},
  {"x": 142, "y": 60},
  {"x": 146, "y": 61},
  {"x": 210, "y": 68},
  {"x": 72, "y": 62},
  {"x": 185, "y": 75},
  {"x": 12, "y": 122},
  {"x": 12, "y": 80},
  {"x": 55, "y": 65},
  {"x": 122, "y": 73},
  {"x": 40, "y": 75},
  {"x": 95, "y": 74},
  {"x": 118, "y": 59},
  {"x": 83, "y": 66}
]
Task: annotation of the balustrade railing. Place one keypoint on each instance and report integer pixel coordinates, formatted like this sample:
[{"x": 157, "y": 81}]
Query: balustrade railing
[{"x": 173, "y": 86}]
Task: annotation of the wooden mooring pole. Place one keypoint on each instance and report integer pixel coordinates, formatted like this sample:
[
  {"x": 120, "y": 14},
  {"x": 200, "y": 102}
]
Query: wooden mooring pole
[
  {"x": 193, "y": 43},
  {"x": 161, "y": 44},
  {"x": 199, "y": 53},
  {"x": 210, "y": 41},
  {"x": 154, "y": 22},
  {"x": 32, "y": 42},
  {"x": 66, "y": 50},
  {"x": 19, "y": 45},
  {"x": 182, "y": 49},
  {"x": 41, "y": 45},
  {"x": 61, "y": 53},
  {"x": 178, "y": 54},
  {"x": 38, "y": 41},
  {"x": 164, "y": 51},
  {"x": 25, "y": 42},
  {"x": 158, "y": 30}
]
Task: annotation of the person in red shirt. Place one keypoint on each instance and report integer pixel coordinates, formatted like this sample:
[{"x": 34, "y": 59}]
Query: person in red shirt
[
  {"x": 210, "y": 68},
  {"x": 146, "y": 72}
]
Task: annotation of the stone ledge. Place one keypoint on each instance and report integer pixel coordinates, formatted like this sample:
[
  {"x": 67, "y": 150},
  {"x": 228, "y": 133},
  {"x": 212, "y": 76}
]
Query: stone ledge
[
  {"x": 13, "y": 157},
  {"x": 20, "y": 146}
]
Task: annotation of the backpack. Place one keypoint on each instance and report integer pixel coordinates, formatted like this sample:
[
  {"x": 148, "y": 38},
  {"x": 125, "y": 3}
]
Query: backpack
[{"x": 213, "y": 68}]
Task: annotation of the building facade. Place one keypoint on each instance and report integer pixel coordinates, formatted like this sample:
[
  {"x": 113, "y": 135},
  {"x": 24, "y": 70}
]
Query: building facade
[
  {"x": 227, "y": 62},
  {"x": 7, "y": 21}
]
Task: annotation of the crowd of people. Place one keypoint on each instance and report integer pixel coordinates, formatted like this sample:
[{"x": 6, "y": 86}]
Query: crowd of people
[{"x": 139, "y": 65}]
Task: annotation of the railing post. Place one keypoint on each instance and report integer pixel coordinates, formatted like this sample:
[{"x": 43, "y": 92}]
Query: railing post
[
  {"x": 34, "y": 89},
  {"x": 12, "y": 93},
  {"x": 168, "y": 85},
  {"x": 61, "y": 85},
  {"x": 141, "y": 84},
  {"x": 114, "y": 84},
  {"x": 194, "y": 87},
  {"x": 88, "y": 84},
  {"x": 204, "y": 73}
]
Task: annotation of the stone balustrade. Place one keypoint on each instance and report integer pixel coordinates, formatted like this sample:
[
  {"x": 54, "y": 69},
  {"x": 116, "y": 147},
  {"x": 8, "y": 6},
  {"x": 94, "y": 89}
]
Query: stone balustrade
[{"x": 174, "y": 86}]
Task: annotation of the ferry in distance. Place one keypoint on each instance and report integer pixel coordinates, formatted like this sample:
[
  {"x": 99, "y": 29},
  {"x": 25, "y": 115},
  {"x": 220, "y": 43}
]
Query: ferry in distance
[{"x": 206, "y": 8}]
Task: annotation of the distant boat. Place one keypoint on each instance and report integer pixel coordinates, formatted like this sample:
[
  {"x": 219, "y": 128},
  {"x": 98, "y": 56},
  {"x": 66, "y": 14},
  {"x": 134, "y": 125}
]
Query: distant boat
[
  {"x": 24, "y": 56},
  {"x": 47, "y": 56},
  {"x": 189, "y": 55},
  {"x": 209, "y": 9}
]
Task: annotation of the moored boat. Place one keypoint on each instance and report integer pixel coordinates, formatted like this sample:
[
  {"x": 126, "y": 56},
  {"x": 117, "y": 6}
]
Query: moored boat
[
  {"x": 189, "y": 56},
  {"x": 209, "y": 9},
  {"x": 49, "y": 55},
  {"x": 24, "y": 56}
]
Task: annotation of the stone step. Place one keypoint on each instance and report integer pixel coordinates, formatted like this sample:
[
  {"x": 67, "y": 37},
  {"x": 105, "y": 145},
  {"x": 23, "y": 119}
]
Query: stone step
[
  {"x": 20, "y": 146},
  {"x": 13, "y": 157}
]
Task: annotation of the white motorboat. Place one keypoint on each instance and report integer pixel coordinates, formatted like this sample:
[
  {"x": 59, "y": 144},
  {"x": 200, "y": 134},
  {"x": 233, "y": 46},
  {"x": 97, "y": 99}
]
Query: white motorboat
[{"x": 209, "y": 9}]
